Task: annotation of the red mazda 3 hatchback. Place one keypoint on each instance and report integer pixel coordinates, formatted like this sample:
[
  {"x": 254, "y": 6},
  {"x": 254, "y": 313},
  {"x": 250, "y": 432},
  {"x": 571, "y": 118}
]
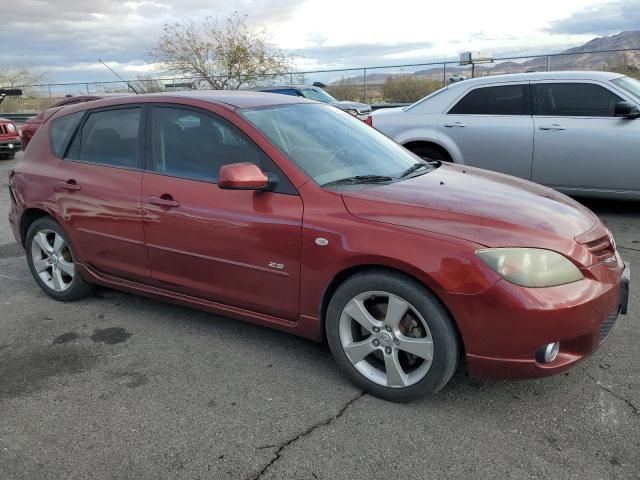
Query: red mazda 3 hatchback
[{"x": 295, "y": 215}]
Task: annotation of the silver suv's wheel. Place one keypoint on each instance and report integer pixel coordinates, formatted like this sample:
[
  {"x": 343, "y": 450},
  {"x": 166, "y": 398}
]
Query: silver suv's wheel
[
  {"x": 391, "y": 336},
  {"x": 51, "y": 261}
]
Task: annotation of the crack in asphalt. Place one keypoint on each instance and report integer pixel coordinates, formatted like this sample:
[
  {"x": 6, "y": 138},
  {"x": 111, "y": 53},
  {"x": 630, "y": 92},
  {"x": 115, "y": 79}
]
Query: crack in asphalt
[
  {"x": 303, "y": 434},
  {"x": 608, "y": 389},
  {"x": 629, "y": 248}
]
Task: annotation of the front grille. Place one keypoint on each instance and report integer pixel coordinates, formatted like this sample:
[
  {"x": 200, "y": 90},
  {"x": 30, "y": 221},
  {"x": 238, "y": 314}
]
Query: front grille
[
  {"x": 607, "y": 326},
  {"x": 3, "y": 129},
  {"x": 601, "y": 249}
]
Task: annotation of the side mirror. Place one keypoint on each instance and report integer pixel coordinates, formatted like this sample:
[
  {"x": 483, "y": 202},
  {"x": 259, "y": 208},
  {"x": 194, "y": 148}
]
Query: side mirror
[
  {"x": 242, "y": 176},
  {"x": 626, "y": 110}
]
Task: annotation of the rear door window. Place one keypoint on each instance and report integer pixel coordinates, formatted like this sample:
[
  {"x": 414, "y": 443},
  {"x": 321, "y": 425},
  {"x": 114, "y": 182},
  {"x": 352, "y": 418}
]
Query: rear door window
[
  {"x": 498, "y": 100},
  {"x": 574, "y": 100},
  {"x": 110, "y": 137},
  {"x": 62, "y": 129}
]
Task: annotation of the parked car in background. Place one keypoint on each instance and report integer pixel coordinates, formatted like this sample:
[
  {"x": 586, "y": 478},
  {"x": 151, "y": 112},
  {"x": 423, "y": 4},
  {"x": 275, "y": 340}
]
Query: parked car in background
[
  {"x": 9, "y": 136},
  {"x": 290, "y": 214},
  {"x": 578, "y": 132},
  {"x": 456, "y": 77},
  {"x": 359, "y": 110},
  {"x": 32, "y": 124},
  {"x": 9, "y": 139}
]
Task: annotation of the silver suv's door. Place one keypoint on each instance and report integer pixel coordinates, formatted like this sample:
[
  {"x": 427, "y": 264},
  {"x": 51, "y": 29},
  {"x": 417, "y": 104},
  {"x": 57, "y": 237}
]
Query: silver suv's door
[
  {"x": 491, "y": 127},
  {"x": 580, "y": 146}
]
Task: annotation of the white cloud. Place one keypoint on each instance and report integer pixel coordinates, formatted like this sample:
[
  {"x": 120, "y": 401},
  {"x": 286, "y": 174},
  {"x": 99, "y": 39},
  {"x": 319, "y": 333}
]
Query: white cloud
[{"x": 65, "y": 37}]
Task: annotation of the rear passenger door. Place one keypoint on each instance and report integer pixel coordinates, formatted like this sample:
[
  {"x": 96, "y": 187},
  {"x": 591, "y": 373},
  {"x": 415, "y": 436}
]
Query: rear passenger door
[
  {"x": 579, "y": 144},
  {"x": 97, "y": 187},
  {"x": 491, "y": 127}
]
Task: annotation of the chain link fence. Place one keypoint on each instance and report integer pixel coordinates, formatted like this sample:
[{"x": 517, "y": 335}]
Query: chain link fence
[{"x": 373, "y": 85}]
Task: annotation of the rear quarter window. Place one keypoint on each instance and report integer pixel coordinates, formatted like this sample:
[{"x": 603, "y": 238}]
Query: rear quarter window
[
  {"x": 498, "y": 100},
  {"x": 62, "y": 129}
]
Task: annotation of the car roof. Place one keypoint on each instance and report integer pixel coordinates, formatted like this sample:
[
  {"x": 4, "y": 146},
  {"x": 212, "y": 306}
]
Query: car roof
[
  {"x": 535, "y": 76},
  {"x": 230, "y": 98}
]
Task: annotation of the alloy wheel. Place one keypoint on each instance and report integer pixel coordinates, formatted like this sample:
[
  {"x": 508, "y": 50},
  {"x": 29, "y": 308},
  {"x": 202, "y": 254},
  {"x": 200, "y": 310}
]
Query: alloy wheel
[
  {"x": 386, "y": 339},
  {"x": 52, "y": 260}
]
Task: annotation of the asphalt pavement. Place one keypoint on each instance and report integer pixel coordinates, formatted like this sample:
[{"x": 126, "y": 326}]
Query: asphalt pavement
[{"x": 120, "y": 386}]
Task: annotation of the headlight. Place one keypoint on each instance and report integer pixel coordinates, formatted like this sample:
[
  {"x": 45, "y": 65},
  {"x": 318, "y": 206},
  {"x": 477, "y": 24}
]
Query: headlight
[
  {"x": 530, "y": 267},
  {"x": 11, "y": 127}
]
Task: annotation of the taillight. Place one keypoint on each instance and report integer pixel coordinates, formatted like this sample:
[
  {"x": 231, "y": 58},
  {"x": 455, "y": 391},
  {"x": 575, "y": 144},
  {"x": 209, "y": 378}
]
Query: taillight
[{"x": 369, "y": 121}]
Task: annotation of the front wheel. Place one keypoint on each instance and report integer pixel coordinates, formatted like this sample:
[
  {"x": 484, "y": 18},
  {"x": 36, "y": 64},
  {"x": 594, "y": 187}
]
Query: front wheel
[
  {"x": 391, "y": 336},
  {"x": 52, "y": 262}
]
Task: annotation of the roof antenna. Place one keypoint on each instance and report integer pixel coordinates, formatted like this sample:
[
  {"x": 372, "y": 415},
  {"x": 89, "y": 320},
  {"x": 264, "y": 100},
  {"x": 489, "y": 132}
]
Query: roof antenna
[{"x": 111, "y": 70}]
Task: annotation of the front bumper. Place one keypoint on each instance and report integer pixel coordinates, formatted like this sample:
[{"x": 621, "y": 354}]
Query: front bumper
[
  {"x": 10, "y": 146},
  {"x": 504, "y": 327}
]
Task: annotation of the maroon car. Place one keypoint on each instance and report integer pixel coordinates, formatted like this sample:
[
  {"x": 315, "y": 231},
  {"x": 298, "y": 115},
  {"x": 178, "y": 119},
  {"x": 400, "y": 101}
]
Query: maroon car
[
  {"x": 9, "y": 139},
  {"x": 292, "y": 214}
]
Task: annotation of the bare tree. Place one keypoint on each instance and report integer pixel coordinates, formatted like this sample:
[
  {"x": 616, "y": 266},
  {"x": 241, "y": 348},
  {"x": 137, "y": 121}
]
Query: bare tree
[
  {"x": 227, "y": 56},
  {"x": 19, "y": 76}
]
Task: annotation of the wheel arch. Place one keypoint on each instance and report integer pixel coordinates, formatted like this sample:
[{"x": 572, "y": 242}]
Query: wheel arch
[
  {"x": 29, "y": 216},
  {"x": 343, "y": 275},
  {"x": 428, "y": 143}
]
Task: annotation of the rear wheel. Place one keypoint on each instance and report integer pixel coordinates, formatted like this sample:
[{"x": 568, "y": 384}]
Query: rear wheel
[
  {"x": 52, "y": 262},
  {"x": 391, "y": 336}
]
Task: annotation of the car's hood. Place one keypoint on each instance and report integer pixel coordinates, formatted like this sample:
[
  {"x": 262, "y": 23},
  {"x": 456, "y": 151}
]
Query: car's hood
[
  {"x": 360, "y": 107},
  {"x": 487, "y": 208}
]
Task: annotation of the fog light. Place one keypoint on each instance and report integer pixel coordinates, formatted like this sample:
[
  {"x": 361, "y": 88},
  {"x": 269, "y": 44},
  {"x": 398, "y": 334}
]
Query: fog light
[{"x": 548, "y": 353}]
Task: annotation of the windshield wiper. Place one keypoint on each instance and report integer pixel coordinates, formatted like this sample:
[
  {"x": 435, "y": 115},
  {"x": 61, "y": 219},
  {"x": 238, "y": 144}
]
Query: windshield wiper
[
  {"x": 413, "y": 168},
  {"x": 358, "y": 179}
]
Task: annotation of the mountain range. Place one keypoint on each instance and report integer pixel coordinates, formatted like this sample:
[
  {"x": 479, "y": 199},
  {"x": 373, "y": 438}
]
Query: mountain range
[{"x": 576, "y": 58}]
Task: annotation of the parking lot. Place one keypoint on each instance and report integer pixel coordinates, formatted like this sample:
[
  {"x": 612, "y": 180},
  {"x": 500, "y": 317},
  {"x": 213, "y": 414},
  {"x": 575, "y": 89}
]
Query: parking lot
[{"x": 119, "y": 386}]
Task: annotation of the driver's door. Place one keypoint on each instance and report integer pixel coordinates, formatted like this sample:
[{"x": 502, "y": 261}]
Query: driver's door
[{"x": 238, "y": 248}]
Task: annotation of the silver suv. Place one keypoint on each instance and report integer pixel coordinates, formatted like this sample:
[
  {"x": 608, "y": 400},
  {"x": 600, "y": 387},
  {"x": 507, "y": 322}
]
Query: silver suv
[{"x": 578, "y": 132}]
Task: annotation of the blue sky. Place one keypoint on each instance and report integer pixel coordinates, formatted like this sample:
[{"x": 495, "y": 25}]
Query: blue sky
[{"x": 64, "y": 38}]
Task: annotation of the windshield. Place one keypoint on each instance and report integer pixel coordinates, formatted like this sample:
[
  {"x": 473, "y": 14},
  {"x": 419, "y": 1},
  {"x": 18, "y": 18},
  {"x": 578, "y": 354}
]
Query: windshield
[
  {"x": 629, "y": 84},
  {"x": 329, "y": 145},
  {"x": 318, "y": 95}
]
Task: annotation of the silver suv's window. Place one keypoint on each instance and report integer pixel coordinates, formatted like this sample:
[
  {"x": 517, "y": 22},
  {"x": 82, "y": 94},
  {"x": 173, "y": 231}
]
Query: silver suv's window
[
  {"x": 574, "y": 100},
  {"x": 498, "y": 100}
]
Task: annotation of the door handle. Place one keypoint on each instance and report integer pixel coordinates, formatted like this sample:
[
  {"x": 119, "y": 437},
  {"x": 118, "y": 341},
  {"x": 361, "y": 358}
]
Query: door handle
[
  {"x": 165, "y": 200},
  {"x": 554, "y": 126},
  {"x": 455, "y": 124},
  {"x": 70, "y": 185}
]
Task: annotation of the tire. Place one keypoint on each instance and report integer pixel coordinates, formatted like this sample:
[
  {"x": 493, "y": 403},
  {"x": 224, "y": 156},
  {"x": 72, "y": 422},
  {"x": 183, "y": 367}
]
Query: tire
[
  {"x": 429, "y": 152},
  {"x": 368, "y": 357},
  {"x": 51, "y": 261}
]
